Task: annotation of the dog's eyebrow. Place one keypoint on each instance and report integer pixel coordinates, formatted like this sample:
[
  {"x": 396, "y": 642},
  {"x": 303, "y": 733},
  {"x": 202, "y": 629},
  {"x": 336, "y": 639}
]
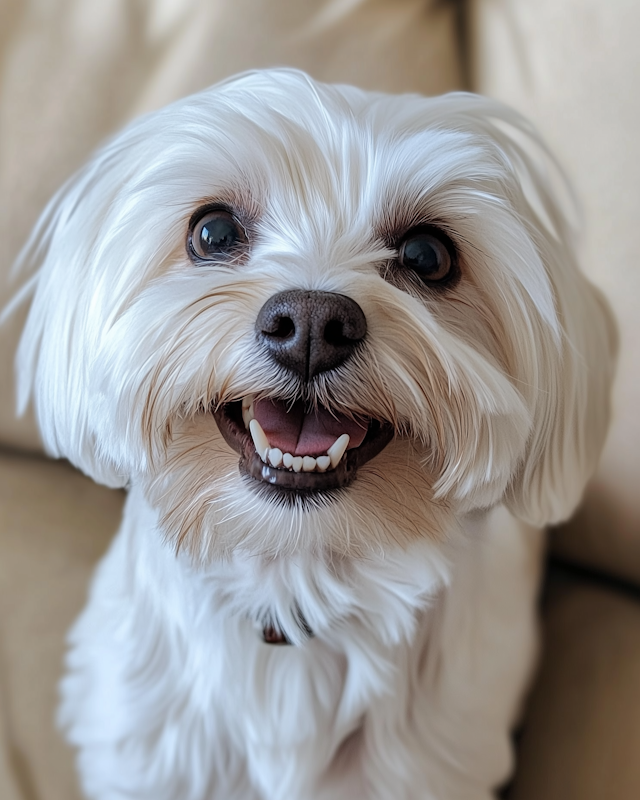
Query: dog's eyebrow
[
  {"x": 242, "y": 204},
  {"x": 398, "y": 218}
]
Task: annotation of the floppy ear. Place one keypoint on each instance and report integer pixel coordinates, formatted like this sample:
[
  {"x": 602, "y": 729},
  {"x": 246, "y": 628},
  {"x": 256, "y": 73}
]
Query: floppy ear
[
  {"x": 572, "y": 407},
  {"x": 55, "y": 358},
  {"x": 571, "y": 417}
]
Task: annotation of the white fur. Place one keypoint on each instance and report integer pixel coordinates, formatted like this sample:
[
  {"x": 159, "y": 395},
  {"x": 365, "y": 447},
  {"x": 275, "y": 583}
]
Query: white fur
[{"x": 418, "y": 581}]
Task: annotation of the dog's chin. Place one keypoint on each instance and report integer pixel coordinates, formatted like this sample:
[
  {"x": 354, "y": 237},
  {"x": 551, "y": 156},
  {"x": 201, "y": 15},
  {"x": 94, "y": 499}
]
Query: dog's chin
[{"x": 290, "y": 484}]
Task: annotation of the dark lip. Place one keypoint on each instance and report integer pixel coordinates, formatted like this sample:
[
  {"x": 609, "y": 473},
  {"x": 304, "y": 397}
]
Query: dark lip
[{"x": 229, "y": 420}]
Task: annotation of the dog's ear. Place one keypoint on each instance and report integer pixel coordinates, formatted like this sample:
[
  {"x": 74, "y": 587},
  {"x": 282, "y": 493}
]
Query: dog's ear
[
  {"x": 571, "y": 413},
  {"x": 54, "y": 362},
  {"x": 571, "y": 407}
]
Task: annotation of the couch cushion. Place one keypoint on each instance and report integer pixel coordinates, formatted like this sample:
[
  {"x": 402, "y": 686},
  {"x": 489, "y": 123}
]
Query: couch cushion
[
  {"x": 573, "y": 68},
  {"x": 581, "y": 735},
  {"x": 54, "y": 525},
  {"x": 73, "y": 71}
]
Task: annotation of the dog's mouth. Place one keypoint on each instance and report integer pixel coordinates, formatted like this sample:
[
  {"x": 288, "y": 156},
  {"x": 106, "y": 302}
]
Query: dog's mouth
[{"x": 291, "y": 447}]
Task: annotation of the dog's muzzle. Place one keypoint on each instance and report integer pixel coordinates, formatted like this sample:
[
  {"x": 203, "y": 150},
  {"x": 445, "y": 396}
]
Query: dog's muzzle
[{"x": 290, "y": 446}]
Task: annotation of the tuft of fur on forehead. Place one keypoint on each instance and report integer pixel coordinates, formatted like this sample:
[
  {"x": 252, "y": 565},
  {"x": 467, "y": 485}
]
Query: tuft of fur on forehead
[{"x": 130, "y": 346}]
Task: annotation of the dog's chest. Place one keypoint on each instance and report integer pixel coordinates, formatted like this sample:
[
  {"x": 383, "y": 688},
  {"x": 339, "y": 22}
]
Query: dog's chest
[
  {"x": 255, "y": 704},
  {"x": 300, "y": 703},
  {"x": 346, "y": 624}
]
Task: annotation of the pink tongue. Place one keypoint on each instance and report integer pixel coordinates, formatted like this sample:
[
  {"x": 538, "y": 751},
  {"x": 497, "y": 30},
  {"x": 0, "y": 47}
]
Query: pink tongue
[{"x": 293, "y": 431}]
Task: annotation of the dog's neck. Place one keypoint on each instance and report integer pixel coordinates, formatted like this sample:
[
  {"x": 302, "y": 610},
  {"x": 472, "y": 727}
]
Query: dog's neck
[{"x": 290, "y": 598}]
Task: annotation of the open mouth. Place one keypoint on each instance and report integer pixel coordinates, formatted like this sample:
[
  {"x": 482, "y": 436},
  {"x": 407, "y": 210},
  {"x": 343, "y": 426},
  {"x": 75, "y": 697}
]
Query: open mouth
[{"x": 291, "y": 447}]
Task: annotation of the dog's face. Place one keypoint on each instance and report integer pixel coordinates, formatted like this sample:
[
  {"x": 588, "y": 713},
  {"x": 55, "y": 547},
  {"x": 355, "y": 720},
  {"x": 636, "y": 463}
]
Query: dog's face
[{"x": 307, "y": 316}]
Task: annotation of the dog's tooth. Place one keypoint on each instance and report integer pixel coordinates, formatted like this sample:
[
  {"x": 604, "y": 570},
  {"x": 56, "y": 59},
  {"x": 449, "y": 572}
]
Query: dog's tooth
[
  {"x": 275, "y": 456},
  {"x": 247, "y": 416},
  {"x": 337, "y": 449},
  {"x": 287, "y": 460},
  {"x": 259, "y": 439},
  {"x": 308, "y": 464},
  {"x": 297, "y": 463},
  {"x": 247, "y": 409},
  {"x": 323, "y": 463}
]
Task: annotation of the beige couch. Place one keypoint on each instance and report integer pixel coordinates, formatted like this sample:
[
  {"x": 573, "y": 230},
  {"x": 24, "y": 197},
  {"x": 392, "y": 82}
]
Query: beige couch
[{"x": 71, "y": 71}]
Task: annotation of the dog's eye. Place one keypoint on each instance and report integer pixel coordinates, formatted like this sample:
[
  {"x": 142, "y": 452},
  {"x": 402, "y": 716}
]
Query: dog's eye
[
  {"x": 428, "y": 253},
  {"x": 215, "y": 234}
]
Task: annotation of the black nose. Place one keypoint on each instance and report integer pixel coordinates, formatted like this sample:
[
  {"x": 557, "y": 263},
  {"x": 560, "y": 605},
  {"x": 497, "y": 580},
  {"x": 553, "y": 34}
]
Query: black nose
[{"x": 310, "y": 332}]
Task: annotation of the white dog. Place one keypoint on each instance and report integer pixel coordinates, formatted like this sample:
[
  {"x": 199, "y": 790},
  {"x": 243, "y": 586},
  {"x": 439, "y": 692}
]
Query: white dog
[{"x": 337, "y": 347}]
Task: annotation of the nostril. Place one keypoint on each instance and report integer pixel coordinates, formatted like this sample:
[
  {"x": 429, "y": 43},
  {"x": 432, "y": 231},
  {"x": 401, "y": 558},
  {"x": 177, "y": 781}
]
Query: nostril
[
  {"x": 280, "y": 328},
  {"x": 346, "y": 328},
  {"x": 334, "y": 333}
]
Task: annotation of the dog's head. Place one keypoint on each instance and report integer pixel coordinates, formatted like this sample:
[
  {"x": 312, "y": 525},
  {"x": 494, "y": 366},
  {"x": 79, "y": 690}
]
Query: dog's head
[{"x": 302, "y": 315}]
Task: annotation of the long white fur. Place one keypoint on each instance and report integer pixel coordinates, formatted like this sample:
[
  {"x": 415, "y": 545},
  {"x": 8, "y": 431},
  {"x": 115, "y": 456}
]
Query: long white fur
[{"x": 419, "y": 580}]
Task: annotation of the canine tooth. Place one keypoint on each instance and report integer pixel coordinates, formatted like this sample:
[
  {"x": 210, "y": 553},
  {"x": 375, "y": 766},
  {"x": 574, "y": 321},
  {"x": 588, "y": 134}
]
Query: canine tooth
[
  {"x": 287, "y": 460},
  {"x": 297, "y": 463},
  {"x": 323, "y": 463},
  {"x": 247, "y": 409},
  {"x": 337, "y": 449},
  {"x": 275, "y": 456},
  {"x": 259, "y": 439},
  {"x": 308, "y": 464}
]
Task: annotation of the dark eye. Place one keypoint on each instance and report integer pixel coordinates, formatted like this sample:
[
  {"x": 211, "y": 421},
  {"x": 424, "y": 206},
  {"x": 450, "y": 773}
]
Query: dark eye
[
  {"x": 214, "y": 235},
  {"x": 428, "y": 253}
]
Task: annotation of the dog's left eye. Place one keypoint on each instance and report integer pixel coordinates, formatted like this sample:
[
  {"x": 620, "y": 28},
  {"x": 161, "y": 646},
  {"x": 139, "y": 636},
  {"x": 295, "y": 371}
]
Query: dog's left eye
[
  {"x": 215, "y": 234},
  {"x": 428, "y": 253}
]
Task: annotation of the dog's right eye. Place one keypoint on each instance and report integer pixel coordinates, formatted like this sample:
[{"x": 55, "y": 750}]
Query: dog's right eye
[
  {"x": 429, "y": 254},
  {"x": 215, "y": 235}
]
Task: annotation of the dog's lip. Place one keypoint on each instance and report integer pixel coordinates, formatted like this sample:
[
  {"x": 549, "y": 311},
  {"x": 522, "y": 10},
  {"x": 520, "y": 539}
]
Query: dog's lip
[{"x": 228, "y": 417}]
